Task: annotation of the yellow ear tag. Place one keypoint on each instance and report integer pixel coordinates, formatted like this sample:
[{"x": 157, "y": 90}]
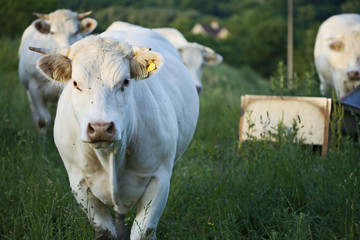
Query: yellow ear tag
[{"x": 151, "y": 66}]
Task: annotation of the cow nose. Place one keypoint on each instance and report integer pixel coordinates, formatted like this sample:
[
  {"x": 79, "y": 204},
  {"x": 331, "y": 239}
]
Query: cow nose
[
  {"x": 101, "y": 131},
  {"x": 354, "y": 75},
  {"x": 198, "y": 88}
]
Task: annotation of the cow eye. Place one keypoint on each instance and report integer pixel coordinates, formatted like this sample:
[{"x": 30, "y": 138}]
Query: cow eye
[
  {"x": 337, "y": 46},
  {"x": 76, "y": 85},
  {"x": 125, "y": 83}
]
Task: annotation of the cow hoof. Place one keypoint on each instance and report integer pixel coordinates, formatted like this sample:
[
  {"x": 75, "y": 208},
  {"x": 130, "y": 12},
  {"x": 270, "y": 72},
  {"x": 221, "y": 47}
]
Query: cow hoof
[
  {"x": 150, "y": 234},
  {"x": 103, "y": 235},
  {"x": 120, "y": 227}
]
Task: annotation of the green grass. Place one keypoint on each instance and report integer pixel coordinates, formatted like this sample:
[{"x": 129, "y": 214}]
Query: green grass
[{"x": 264, "y": 190}]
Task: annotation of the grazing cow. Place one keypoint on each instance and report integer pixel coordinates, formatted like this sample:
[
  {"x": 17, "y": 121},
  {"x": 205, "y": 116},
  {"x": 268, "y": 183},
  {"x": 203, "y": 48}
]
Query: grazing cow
[
  {"x": 337, "y": 53},
  {"x": 55, "y": 30},
  {"x": 193, "y": 55},
  {"x": 125, "y": 116}
]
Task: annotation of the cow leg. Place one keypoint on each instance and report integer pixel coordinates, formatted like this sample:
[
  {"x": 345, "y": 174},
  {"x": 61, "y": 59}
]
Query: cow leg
[
  {"x": 150, "y": 208},
  {"x": 40, "y": 113},
  {"x": 324, "y": 85},
  {"x": 120, "y": 226},
  {"x": 98, "y": 213}
]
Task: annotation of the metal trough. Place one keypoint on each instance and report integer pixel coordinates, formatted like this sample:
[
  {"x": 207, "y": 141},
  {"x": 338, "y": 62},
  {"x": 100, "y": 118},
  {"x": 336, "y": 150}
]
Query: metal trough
[{"x": 351, "y": 120}]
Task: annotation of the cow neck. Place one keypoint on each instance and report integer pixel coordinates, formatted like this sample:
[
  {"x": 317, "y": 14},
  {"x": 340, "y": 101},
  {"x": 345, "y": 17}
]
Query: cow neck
[{"x": 113, "y": 160}]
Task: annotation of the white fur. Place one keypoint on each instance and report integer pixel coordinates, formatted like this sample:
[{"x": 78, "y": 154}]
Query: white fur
[
  {"x": 155, "y": 119},
  {"x": 193, "y": 55},
  {"x": 63, "y": 31},
  {"x": 333, "y": 66}
]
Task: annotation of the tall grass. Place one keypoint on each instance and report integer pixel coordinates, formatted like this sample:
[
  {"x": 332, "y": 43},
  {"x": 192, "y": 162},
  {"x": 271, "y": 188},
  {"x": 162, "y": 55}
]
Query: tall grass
[
  {"x": 265, "y": 190},
  {"x": 35, "y": 200}
]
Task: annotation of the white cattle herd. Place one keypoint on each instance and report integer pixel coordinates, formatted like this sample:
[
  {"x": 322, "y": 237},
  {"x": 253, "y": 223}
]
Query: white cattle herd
[{"x": 127, "y": 105}]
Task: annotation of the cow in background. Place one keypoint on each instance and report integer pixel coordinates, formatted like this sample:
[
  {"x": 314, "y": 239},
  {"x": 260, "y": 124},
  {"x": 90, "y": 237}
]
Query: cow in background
[
  {"x": 193, "y": 55},
  {"x": 127, "y": 113},
  {"x": 337, "y": 54},
  {"x": 54, "y": 30}
]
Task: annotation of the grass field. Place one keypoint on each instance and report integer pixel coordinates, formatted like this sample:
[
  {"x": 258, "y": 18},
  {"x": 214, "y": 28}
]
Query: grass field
[{"x": 264, "y": 191}]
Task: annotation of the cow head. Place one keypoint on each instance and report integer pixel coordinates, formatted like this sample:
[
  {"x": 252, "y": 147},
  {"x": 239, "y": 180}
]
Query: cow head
[
  {"x": 100, "y": 76},
  {"x": 65, "y": 26},
  {"x": 195, "y": 56},
  {"x": 345, "y": 59}
]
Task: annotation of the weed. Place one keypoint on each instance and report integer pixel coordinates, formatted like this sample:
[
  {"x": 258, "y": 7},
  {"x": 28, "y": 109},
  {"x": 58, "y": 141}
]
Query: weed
[
  {"x": 302, "y": 86},
  {"x": 141, "y": 230},
  {"x": 337, "y": 117}
]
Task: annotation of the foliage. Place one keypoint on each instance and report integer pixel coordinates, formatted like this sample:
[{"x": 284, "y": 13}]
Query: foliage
[
  {"x": 258, "y": 28},
  {"x": 336, "y": 123},
  {"x": 307, "y": 85},
  {"x": 351, "y": 6},
  {"x": 143, "y": 16},
  {"x": 17, "y": 15}
]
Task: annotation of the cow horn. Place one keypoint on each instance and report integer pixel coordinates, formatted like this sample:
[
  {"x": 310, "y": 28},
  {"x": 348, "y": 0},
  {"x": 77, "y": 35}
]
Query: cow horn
[
  {"x": 62, "y": 51},
  {"x": 40, "y": 50},
  {"x": 85, "y": 14},
  {"x": 41, "y": 15}
]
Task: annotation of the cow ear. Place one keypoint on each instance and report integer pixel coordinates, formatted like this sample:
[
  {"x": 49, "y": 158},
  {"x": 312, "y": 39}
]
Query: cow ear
[
  {"x": 211, "y": 57},
  {"x": 87, "y": 25},
  {"x": 55, "y": 67},
  {"x": 42, "y": 26},
  {"x": 144, "y": 63}
]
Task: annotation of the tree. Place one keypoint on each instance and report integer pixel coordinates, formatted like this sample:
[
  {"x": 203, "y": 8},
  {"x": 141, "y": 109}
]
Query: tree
[
  {"x": 18, "y": 14},
  {"x": 350, "y": 6}
]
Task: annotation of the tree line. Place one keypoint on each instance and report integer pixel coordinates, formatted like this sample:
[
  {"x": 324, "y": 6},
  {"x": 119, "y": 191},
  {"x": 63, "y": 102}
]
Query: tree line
[{"x": 257, "y": 27}]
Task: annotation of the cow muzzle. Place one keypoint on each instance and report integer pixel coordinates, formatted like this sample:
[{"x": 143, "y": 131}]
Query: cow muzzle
[
  {"x": 353, "y": 75},
  {"x": 101, "y": 132}
]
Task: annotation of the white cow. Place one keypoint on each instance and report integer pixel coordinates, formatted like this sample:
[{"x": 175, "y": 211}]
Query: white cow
[
  {"x": 337, "y": 53},
  {"x": 193, "y": 55},
  {"x": 55, "y": 30},
  {"x": 119, "y": 136}
]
